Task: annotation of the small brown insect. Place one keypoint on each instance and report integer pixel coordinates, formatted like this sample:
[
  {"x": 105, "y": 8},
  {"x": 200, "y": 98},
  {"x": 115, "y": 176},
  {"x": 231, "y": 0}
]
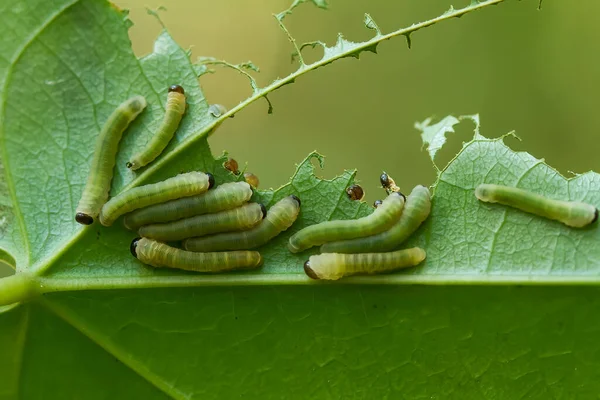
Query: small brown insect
[
  {"x": 251, "y": 179},
  {"x": 232, "y": 165},
  {"x": 355, "y": 192},
  {"x": 388, "y": 183},
  {"x": 377, "y": 203}
]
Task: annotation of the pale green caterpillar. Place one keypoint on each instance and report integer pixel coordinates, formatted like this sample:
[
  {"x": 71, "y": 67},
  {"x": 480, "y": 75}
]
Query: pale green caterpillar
[
  {"x": 333, "y": 266},
  {"x": 572, "y": 213},
  {"x": 100, "y": 176},
  {"x": 182, "y": 185},
  {"x": 416, "y": 210},
  {"x": 160, "y": 255},
  {"x": 279, "y": 218},
  {"x": 223, "y": 197},
  {"x": 380, "y": 220},
  {"x": 174, "y": 111},
  {"x": 237, "y": 219}
]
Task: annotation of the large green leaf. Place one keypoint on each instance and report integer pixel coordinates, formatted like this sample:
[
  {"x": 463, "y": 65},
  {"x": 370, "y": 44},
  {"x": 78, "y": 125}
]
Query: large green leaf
[{"x": 65, "y": 65}]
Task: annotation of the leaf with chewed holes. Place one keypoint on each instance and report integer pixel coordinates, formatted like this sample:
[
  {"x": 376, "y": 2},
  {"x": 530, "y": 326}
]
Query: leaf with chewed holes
[{"x": 95, "y": 323}]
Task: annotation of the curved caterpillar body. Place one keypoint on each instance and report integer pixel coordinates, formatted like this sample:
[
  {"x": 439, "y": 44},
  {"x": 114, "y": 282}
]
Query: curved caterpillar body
[
  {"x": 333, "y": 266},
  {"x": 572, "y": 213},
  {"x": 100, "y": 176},
  {"x": 182, "y": 185},
  {"x": 160, "y": 255},
  {"x": 174, "y": 111},
  {"x": 380, "y": 220},
  {"x": 416, "y": 210},
  {"x": 223, "y": 197},
  {"x": 237, "y": 219},
  {"x": 279, "y": 218}
]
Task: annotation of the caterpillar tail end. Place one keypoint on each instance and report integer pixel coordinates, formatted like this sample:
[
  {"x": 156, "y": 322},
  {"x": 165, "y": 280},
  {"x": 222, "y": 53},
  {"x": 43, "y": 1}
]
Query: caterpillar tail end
[
  {"x": 127, "y": 224},
  {"x": 309, "y": 271},
  {"x": 420, "y": 255},
  {"x": 85, "y": 219},
  {"x": 104, "y": 221},
  {"x": 133, "y": 246},
  {"x": 293, "y": 248}
]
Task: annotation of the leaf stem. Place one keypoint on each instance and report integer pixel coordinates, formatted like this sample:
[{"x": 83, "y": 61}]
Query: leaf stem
[
  {"x": 262, "y": 92},
  {"x": 18, "y": 287},
  {"x": 49, "y": 285}
]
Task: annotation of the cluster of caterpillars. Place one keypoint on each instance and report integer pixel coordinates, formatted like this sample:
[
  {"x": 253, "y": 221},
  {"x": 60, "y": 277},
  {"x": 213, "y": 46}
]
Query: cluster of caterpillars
[{"x": 219, "y": 228}]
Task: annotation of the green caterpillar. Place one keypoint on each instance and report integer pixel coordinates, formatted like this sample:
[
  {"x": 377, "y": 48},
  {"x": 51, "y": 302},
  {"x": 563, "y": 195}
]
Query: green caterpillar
[
  {"x": 333, "y": 266},
  {"x": 160, "y": 255},
  {"x": 237, "y": 219},
  {"x": 182, "y": 185},
  {"x": 100, "y": 176},
  {"x": 174, "y": 111},
  {"x": 416, "y": 210},
  {"x": 223, "y": 197},
  {"x": 380, "y": 220},
  {"x": 572, "y": 213},
  {"x": 279, "y": 218}
]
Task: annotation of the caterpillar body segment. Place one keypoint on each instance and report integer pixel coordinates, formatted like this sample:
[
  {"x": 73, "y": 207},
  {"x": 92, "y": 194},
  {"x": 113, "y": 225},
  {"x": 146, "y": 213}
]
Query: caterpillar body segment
[
  {"x": 333, "y": 266},
  {"x": 571, "y": 213},
  {"x": 160, "y": 255},
  {"x": 416, "y": 210},
  {"x": 97, "y": 188},
  {"x": 223, "y": 197},
  {"x": 174, "y": 111},
  {"x": 236, "y": 219},
  {"x": 182, "y": 185},
  {"x": 279, "y": 218},
  {"x": 380, "y": 220}
]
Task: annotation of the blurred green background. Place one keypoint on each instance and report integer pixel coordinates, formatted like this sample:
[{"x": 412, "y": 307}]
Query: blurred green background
[{"x": 536, "y": 72}]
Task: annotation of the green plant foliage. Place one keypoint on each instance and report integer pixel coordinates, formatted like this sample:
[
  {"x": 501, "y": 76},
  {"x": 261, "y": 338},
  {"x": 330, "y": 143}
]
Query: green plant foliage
[{"x": 152, "y": 334}]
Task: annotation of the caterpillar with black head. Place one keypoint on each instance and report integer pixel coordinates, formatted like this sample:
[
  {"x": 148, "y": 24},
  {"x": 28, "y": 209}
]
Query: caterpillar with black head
[
  {"x": 571, "y": 213},
  {"x": 416, "y": 210},
  {"x": 333, "y": 266},
  {"x": 380, "y": 220},
  {"x": 160, "y": 255},
  {"x": 279, "y": 218},
  {"x": 223, "y": 197},
  {"x": 174, "y": 111},
  {"x": 97, "y": 188},
  {"x": 236, "y": 219},
  {"x": 182, "y": 185}
]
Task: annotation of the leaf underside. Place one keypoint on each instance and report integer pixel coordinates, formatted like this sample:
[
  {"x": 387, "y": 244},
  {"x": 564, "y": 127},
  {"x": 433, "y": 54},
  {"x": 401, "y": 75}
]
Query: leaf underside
[{"x": 219, "y": 342}]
